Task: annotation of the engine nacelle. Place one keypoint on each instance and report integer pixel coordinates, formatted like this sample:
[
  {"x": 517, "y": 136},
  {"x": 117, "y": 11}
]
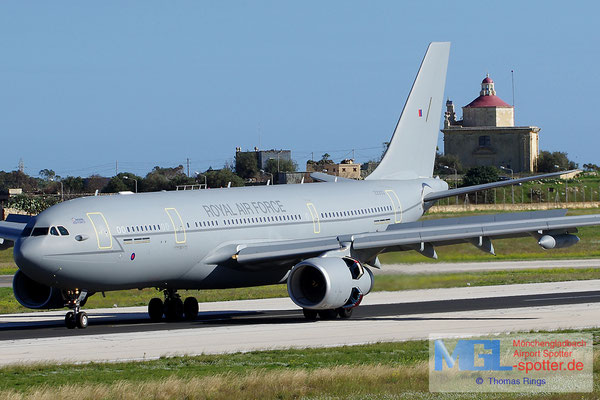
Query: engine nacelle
[
  {"x": 35, "y": 295},
  {"x": 322, "y": 283},
  {"x": 557, "y": 241}
]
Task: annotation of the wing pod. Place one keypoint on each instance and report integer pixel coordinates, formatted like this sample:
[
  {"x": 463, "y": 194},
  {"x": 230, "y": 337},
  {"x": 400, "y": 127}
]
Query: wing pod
[{"x": 557, "y": 241}]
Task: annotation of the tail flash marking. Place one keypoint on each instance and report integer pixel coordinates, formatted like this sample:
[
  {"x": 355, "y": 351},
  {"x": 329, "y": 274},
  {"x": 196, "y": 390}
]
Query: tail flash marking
[{"x": 428, "y": 109}]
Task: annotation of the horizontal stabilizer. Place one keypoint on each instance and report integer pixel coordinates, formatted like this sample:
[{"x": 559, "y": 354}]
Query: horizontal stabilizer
[{"x": 322, "y": 177}]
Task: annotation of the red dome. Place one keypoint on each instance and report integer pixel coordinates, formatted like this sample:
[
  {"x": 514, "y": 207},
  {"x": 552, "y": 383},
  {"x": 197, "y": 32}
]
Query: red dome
[
  {"x": 487, "y": 80},
  {"x": 488, "y": 101}
]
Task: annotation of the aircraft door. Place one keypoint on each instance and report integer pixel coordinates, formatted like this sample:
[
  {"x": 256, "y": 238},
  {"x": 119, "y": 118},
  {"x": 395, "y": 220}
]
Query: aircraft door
[
  {"x": 396, "y": 206},
  {"x": 103, "y": 235},
  {"x": 177, "y": 224},
  {"x": 315, "y": 217}
]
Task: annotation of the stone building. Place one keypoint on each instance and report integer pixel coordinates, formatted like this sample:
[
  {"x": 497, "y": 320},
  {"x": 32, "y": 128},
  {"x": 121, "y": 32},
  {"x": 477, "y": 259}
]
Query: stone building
[
  {"x": 346, "y": 169},
  {"x": 487, "y": 134}
]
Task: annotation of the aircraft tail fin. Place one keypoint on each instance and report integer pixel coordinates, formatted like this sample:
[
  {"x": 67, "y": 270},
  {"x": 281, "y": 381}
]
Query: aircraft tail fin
[{"x": 411, "y": 152}]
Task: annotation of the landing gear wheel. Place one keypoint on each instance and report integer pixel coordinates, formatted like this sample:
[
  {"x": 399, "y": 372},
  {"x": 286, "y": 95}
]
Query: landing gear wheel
[
  {"x": 190, "y": 308},
  {"x": 310, "y": 315},
  {"x": 345, "y": 313},
  {"x": 82, "y": 320},
  {"x": 174, "y": 309},
  {"x": 70, "y": 320},
  {"x": 328, "y": 314},
  {"x": 155, "y": 309}
]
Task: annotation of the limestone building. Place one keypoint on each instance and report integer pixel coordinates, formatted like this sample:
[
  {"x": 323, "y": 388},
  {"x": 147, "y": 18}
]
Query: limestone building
[
  {"x": 487, "y": 134},
  {"x": 346, "y": 169}
]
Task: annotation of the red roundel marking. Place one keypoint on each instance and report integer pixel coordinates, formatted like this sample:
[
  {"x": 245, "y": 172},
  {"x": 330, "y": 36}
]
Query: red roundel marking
[{"x": 132, "y": 256}]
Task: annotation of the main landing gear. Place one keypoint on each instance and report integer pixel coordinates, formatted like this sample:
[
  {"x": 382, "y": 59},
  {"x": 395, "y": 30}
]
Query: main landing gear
[
  {"x": 343, "y": 313},
  {"x": 173, "y": 308},
  {"x": 76, "y": 318}
]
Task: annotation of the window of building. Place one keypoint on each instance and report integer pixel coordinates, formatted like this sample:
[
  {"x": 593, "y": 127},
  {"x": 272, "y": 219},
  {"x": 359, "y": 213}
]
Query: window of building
[{"x": 484, "y": 141}]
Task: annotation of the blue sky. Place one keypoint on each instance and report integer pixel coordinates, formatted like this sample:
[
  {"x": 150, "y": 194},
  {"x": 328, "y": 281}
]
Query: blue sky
[{"x": 145, "y": 83}]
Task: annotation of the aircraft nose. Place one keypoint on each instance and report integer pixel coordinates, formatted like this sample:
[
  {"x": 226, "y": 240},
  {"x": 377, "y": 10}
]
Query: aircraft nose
[{"x": 29, "y": 256}]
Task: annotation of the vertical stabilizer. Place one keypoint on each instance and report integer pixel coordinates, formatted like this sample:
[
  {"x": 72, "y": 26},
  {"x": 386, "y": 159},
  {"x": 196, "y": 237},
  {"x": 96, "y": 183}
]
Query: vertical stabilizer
[{"x": 411, "y": 152}]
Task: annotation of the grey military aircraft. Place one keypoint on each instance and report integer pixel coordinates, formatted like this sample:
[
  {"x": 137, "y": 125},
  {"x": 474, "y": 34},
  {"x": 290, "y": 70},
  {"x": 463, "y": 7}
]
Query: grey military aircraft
[{"x": 320, "y": 238}]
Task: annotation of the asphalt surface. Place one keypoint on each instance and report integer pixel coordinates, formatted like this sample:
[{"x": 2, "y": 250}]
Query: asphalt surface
[
  {"x": 139, "y": 322},
  {"x": 6, "y": 280}
]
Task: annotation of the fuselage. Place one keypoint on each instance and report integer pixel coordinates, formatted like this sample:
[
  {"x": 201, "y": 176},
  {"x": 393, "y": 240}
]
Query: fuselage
[{"x": 165, "y": 239}]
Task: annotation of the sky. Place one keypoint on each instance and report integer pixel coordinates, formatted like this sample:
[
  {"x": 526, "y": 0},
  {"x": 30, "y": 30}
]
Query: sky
[{"x": 87, "y": 85}]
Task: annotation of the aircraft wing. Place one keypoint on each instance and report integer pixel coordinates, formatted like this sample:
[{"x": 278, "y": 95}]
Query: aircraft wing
[
  {"x": 11, "y": 230},
  {"x": 551, "y": 228}
]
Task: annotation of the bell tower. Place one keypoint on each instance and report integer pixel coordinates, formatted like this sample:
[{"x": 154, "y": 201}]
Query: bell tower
[{"x": 487, "y": 87}]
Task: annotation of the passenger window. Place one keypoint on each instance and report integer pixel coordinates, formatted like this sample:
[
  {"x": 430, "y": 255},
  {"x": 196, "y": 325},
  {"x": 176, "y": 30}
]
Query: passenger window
[
  {"x": 63, "y": 231},
  {"x": 42, "y": 231},
  {"x": 53, "y": 231}
]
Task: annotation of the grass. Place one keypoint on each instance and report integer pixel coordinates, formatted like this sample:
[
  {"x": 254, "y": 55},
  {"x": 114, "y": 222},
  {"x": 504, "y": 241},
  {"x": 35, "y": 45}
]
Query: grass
[
  {"x": 127, "y": 298},
  {"x": 381, "y": 370}
]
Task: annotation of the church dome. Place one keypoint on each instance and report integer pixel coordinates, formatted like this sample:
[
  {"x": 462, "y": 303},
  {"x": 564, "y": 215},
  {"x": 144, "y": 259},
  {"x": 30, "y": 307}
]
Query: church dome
[{"x": 487, "y": 96}]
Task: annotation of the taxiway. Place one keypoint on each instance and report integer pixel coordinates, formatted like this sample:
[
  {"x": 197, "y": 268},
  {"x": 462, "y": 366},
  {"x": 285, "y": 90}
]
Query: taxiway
[{"x": 127, "y": 334}]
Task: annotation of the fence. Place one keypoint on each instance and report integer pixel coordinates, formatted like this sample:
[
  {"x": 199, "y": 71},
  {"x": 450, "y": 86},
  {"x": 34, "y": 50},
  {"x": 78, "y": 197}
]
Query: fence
[{"x": 558, "y": 194}]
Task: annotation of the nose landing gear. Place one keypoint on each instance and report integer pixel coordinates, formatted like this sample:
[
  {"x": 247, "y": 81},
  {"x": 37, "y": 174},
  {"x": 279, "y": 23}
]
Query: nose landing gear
[
  {"x": 173, "y": 308},
  {"x": 76, "y": 318}
]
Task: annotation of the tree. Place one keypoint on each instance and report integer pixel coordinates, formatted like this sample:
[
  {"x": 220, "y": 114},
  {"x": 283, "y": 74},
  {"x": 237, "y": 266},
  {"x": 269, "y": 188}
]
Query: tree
[
  {"x": 273, "y": 166},
  {"x": 246, "y": 164},
  {"x": 222, "y": 177},
  {"x": 449, "y": 160},
  {"x": 164, "y": 179},
  {"x": 47, "y": 174},
  {"x": 93, "y": 183},
  {"x": 480, "y": 175},
  {"x": 325, "y": 160},
  {"x": 73, "y": 184},
  {"x": 553, "y": 162},
  {"x": 125, "y": 181},
  {"x": 590, "y": 167}
]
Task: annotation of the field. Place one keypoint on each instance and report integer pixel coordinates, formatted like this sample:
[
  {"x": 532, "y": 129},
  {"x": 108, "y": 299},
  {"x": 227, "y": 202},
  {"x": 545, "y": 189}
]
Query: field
[{"x": 374, "y": 371}]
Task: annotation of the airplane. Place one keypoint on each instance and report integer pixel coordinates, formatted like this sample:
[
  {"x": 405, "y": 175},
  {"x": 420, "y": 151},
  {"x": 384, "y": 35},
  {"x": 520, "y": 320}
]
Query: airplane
[{"x": 319, "y": 238}]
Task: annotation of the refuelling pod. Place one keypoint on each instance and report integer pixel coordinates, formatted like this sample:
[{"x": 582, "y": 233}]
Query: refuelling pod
[
  {"x": 322, "y": 283},
  {"x": 557, "y": 241},
  {"x": 35, "y": 295}
]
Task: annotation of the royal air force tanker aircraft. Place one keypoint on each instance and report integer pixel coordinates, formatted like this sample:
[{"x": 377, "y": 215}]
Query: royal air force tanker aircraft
[{"x": 320, "y": 238}]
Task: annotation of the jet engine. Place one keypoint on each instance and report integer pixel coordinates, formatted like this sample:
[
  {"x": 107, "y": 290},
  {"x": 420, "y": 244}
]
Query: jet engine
[
  {"x": 323, "y": 283},
  {"x": 35, "y": 295}
]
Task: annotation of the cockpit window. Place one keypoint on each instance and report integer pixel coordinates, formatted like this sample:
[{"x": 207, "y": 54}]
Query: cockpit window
[
  {"x": 40, "y": 231},
  {"x": 63, "y": 231},
  {"x": 53, "y": 231}
]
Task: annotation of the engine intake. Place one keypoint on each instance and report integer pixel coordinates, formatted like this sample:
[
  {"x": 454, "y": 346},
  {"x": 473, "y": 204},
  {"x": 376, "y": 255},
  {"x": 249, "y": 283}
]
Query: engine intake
[
  {"x": 35, "y": 295},
  {"x": 322, "y": 283}
]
